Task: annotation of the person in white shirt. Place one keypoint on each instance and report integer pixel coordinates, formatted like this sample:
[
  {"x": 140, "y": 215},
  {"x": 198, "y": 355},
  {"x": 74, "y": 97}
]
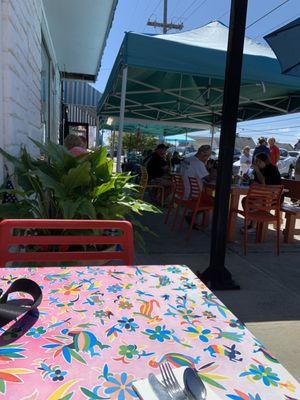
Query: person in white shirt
[
  {"x": 195, "y": 166},
  {"x": 245, "y": 160}
]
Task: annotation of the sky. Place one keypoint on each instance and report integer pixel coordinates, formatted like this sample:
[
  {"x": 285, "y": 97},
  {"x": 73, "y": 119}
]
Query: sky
[{"x": 132, "y": 15}]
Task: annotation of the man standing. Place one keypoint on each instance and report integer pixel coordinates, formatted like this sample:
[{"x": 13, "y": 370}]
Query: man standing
[{"x": 274, "y": 151}]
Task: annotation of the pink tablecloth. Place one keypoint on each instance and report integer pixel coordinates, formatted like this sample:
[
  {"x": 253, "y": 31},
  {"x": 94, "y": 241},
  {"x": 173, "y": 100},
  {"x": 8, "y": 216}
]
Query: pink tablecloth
[{"x": 100, "y": 328}]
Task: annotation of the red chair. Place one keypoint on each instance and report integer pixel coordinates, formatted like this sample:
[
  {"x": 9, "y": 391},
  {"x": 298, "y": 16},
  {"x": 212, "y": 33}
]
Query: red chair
[
  {"x": 198, "y": 201},
  {"x": 177, "y": 198},
  {"x": 14, "y": 234},
  {"x": 258, "y": 204}
]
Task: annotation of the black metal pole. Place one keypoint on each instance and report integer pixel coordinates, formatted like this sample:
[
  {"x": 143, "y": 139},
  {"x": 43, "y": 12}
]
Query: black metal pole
[{"x": 218, "y": 276}]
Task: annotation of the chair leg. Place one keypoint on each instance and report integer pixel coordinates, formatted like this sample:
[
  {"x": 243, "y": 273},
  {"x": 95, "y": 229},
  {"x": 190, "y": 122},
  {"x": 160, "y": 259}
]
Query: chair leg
[
  {"x": 175, "y": 217},
  {"x": 278, "y": 235},
  {"x": 245, "y": 236},
  {"x": 193, "y": 219},
  {"x": 259, "y": 228},
  {"x": 182, "y": 218},
  {"x": 170, "y": 208},
  {"x": 162, "y": 196},
  {"x": 205, "y": 220}
]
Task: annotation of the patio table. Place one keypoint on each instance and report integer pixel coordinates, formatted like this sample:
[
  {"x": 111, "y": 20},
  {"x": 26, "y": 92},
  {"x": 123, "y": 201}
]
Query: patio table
[
  {"x": 101, "y": 328},
  {"x": 236, "y": 192}
]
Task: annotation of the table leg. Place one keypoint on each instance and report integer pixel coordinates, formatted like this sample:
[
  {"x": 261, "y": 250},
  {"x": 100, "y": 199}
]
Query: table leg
[
  {"x": 234, "y": 205},
  {"x": 289, "y": 228}
]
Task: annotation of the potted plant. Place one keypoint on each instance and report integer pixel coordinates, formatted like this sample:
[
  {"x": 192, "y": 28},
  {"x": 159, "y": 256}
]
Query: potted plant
[{"x": 62, "y": 186}]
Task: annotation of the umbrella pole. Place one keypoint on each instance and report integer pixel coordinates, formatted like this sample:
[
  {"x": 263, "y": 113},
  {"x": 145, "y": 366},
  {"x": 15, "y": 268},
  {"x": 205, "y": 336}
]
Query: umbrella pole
[
  {"x": 212, "y": 132},
  {"x": 122, "y": 113},
  {"x": 218, "y": 276}
]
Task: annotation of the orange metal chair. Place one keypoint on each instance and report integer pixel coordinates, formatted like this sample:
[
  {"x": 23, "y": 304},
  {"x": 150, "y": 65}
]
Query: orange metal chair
[
  {"x": 14, "y": 237},
  {"x": 258, "y": 204},
  {"x": 197, "y": 201},
  {"x": 144, "y": 185},
  {"x": 177, "y": 198}
]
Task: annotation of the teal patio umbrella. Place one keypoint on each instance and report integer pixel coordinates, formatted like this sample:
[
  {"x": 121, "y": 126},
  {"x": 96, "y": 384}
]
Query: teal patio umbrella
[{"x": 285, "y": 44}]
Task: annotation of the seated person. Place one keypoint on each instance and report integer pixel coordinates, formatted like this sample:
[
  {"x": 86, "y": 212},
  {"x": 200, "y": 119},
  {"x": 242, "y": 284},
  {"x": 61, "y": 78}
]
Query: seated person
[
  {"x": 175, "y": 160},
  {"x": 146, "y": 157},
  {"x": 196, "y": 166},
  {"x": 158, "y": 168},
  {"x": 265, "y": 173},
  {"x": 75, "y": 145}
]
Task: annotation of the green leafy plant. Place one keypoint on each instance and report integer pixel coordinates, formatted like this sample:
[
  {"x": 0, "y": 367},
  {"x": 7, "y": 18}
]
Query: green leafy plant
[{"x": 61, "y": 185}]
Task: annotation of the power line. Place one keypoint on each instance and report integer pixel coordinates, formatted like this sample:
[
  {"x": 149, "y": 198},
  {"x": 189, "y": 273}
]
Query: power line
[
  {"x": 196, "y": 9},
  {"x": 273, "y": 122},
  {"x": 223, "y": 15},
  {"x": 286, "y": 21},
  {"x": 157, "y": 5},
  {"x": 165, "y": 25},
  {"x": 268, "y": 13},
  {"x": 188, "y": 8}
]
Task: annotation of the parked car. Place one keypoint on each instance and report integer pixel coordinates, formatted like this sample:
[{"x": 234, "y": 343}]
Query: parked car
[
  {"x": 294, "y": 153},
  {"x": 286, "y": 164}
]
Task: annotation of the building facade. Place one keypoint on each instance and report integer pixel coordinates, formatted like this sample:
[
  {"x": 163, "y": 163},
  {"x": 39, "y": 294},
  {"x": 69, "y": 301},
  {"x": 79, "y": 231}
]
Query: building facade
[{"x": 41, "y": 41}]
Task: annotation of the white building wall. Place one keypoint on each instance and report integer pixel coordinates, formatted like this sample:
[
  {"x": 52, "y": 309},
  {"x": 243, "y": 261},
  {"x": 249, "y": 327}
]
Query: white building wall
[{"x": 21, "y": 25}]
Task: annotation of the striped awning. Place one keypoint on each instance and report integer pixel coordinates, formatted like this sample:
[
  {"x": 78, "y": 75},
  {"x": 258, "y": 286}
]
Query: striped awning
[
  {"x": 83, "y": 115},
  {"x": 80, "y": 93}
]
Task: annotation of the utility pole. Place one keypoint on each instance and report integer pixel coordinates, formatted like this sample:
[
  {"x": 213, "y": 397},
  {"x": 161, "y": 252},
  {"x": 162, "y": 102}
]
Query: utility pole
[{"x": 165, "y": 25}]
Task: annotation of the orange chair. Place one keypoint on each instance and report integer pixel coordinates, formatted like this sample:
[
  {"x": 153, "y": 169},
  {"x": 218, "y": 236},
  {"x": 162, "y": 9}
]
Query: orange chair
[
  {"x": 144, "y": 185},
  {"x": 198, "y": 201},
  {"x": 14, "y": 234},
  {"x": 177, "y": 198},
  {"x": 258, "y": 204}
]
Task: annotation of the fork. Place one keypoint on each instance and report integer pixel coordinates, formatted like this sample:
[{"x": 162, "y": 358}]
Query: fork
[{"x": 171, "y": 383}]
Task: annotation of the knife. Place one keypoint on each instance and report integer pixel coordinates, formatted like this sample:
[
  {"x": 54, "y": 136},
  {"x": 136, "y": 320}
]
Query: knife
[{"x": 158, "y": 388}]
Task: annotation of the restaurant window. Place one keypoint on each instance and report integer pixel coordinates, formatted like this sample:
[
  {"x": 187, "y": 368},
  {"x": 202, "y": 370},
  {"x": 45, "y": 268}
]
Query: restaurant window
[{"x": 45, "y": 92}]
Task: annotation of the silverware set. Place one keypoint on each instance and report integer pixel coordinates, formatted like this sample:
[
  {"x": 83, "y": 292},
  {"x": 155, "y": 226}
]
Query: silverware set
[{"x": 170, "y": 388}]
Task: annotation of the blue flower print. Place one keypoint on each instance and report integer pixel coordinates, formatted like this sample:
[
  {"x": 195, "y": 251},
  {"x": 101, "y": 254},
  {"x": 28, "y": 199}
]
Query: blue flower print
[
  {"x": 174, "y": 270},
  {"x": 259, "y": 372},
  {"x": 114, "y": 288},
  {"x": 36, "y": 332},
  {"x": 119, "y": 386},
  {"x": 160, "y": 333},
  {"x": 128, "y": 324}
]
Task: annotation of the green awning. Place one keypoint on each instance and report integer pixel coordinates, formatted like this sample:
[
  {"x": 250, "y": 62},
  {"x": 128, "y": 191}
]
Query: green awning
[{"x": 177, "y": 80}]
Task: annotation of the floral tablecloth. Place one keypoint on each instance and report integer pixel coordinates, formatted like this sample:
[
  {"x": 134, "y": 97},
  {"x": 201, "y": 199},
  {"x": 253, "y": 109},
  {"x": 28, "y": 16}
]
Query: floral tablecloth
[{"x": 101, "y": 328}]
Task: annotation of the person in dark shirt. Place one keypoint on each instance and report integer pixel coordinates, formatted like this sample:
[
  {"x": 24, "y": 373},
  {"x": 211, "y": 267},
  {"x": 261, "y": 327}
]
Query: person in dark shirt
[
  {"x": 157, "y": 165},
  {"x": 264, "y": 171},
  {"x": 262, "y": 147},
  {"x": 158, "y": 168},
  {"x": 175, "y": 160}
]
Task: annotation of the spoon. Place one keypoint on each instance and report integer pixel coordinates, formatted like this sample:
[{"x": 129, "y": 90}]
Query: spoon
[{"x": 194, "y": 385}]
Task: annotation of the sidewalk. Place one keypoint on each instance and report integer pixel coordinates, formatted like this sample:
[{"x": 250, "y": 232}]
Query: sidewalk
[{"x": 269, "y": 299}]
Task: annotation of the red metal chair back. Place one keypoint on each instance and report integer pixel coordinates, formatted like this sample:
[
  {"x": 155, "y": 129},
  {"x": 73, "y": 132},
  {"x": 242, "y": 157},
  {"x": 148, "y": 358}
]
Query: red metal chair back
[
  {"x": 263, "y": 197},
  {"x": 178, "y": 186},
  {"x": 65, "y": 233},
  {"x": 195, "y": 190}
]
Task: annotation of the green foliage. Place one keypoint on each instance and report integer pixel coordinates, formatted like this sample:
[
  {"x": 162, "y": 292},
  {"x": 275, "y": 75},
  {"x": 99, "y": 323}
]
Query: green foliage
[
  {"x": 138, "y": 142},
  {"x": 68, "y": 187}
]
